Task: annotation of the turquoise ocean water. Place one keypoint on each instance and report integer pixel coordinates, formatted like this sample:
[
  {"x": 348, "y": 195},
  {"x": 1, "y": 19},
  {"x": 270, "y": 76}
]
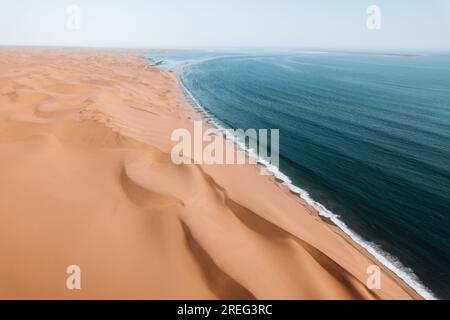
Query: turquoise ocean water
[{"x": 364, "y": 138}]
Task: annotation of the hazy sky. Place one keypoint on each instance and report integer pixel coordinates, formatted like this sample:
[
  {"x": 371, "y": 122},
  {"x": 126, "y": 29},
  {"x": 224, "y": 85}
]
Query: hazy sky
[{"x": 405, "y": 24}]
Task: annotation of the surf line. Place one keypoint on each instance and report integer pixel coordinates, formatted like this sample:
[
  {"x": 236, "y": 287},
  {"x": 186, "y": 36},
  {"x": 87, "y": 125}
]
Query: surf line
[
  {"x": 218, "y": 149},
  {"x": 390, "y": 262}
]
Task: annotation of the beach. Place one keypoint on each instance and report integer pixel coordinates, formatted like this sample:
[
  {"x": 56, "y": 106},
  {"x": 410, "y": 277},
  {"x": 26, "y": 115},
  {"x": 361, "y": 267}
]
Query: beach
[{"x": 88, "y": 180}]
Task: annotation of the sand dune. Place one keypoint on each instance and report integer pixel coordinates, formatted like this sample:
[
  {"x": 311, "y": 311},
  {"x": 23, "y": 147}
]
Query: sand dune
[{"x": 87, "y": 179}]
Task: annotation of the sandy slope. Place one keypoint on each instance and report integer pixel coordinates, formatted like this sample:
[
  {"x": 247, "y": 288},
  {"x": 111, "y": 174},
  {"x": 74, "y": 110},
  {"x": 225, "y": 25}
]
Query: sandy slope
[{"x": 86, "y": 179}]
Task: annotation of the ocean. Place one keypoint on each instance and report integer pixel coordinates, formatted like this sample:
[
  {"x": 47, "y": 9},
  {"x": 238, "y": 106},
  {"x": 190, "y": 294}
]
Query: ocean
[{"x": 364, "y": 138}]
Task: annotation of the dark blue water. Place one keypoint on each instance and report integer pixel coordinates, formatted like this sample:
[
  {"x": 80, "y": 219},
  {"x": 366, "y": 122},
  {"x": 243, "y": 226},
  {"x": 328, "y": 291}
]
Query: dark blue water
[{"x": 368, "y": 136}]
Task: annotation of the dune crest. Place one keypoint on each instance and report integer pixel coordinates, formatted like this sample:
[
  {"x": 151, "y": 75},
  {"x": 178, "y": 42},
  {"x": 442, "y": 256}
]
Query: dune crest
[{"x": 87, "y": 179}]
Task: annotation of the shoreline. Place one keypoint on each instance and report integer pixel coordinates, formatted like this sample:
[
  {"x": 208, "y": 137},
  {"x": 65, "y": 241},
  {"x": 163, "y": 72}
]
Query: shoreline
[
  {"x": 389, "y": 263},
  {"x": 85, "y": 139}
]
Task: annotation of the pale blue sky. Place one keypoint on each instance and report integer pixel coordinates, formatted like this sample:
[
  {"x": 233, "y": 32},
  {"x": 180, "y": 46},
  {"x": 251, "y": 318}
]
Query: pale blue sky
[{"x": 406, "y": 24}]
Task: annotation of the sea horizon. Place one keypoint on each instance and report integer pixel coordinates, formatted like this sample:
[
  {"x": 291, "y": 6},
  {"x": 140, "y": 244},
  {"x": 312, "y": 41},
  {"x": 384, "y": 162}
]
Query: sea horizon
[{"x": 182, "y": 61}]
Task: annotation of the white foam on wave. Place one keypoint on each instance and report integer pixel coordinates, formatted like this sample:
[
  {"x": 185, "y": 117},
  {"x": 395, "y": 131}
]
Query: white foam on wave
[{"x": 389, "y": 261}]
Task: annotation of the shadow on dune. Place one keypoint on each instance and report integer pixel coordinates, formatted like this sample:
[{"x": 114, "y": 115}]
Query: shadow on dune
[
  {"x": 218, "y": 281},
  {"x": 253, "y": 221}
]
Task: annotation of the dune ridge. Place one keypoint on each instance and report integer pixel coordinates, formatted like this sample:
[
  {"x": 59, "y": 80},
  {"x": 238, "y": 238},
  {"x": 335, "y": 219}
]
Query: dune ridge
[{"x": 88, "y": 180}]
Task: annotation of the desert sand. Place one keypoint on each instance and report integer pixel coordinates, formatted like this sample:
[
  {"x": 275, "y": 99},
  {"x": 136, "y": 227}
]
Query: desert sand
[{"x": 87, "y": 179}]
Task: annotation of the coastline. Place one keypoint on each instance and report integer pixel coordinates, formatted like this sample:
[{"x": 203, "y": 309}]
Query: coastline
[
  {"x": 103, "y": 119},
  {"x": 390, "y": 264}
]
